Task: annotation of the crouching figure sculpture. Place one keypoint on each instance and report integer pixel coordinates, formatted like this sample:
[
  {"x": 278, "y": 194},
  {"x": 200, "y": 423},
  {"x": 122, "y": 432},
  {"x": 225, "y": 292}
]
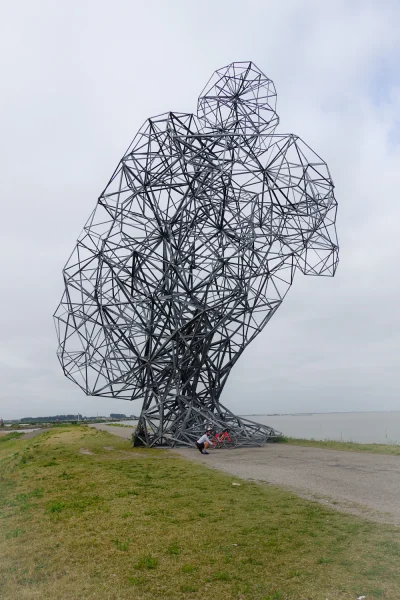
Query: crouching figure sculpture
[{"x": 189, "y": 252}]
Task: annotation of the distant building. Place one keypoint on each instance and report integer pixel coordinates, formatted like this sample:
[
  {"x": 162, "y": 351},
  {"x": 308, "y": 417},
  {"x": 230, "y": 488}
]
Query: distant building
[{"x": 117, "y": 416}]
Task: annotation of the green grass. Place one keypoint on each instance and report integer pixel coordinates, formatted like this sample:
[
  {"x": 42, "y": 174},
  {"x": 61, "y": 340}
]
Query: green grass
[
  {"x": 393, "y": 449},
  {"x": 14, "y": 435},
  {"x": 119, "y": 425},
  {"x": 145, "y": 524}
]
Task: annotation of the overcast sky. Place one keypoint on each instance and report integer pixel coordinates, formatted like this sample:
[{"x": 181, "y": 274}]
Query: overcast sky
[{"x": 78, "y": 80}]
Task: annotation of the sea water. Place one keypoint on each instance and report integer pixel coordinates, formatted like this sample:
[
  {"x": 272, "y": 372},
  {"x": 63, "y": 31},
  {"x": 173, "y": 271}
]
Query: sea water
[{"x": 362, "y": 427}]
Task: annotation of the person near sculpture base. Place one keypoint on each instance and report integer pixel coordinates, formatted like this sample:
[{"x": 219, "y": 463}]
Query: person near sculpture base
[{"x": 204, "y": 442}]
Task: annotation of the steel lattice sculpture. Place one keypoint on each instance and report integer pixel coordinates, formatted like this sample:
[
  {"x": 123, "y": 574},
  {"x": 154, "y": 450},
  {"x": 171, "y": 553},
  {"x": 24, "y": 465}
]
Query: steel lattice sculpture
[{"x": 189, "y": 252}]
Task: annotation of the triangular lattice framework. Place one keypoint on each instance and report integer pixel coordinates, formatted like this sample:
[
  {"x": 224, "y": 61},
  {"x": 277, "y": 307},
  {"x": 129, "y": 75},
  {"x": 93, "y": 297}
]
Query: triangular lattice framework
[{"x": 189, "y": 252}]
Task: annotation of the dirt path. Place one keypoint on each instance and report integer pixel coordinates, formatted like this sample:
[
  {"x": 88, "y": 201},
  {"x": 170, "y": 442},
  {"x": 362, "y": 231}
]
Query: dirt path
[
  {"x": 31, "y": 434},
  {"x": 360, "y": 483},
  {"x": 124, "y": 432}
]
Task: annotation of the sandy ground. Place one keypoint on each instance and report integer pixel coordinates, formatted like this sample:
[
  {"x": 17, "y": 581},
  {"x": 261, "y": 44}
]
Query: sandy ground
[{"x": 359, "y": 483}]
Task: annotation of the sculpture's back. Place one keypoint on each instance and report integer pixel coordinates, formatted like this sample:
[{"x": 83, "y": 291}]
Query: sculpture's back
[{"x": 189, "y": 252}]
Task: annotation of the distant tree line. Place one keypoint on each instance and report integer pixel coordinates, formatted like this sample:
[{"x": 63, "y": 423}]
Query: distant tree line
[
  {"x": 47, "y": 419},
  {"x": 70, "y": 418}
]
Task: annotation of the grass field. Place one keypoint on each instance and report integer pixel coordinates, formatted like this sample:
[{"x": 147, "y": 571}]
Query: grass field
[
  {"x": 85, "y": 516},
  {"x": 10, "y": 436},
  {"x": 393, "y": 449}
]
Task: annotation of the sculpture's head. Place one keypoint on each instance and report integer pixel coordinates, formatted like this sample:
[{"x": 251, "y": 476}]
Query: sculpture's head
[{"x": 239, "y": 98}]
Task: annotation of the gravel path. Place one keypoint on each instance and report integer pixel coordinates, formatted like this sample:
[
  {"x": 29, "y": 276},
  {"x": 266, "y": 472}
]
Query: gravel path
[
  {"x": 359, "y": 483},
  {"x": 356, "y": 482},
  {"x": 124, "y": 432},
  {"x": 31, "y": 434}
]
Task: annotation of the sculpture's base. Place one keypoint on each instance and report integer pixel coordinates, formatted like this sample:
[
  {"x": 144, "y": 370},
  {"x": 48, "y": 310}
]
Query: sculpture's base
[{"x": 187, "y": 428}]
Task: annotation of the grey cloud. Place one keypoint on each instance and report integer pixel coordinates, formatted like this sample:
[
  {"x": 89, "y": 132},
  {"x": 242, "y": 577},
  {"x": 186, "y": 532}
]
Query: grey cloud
[{"x": 79, "y": 79}]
